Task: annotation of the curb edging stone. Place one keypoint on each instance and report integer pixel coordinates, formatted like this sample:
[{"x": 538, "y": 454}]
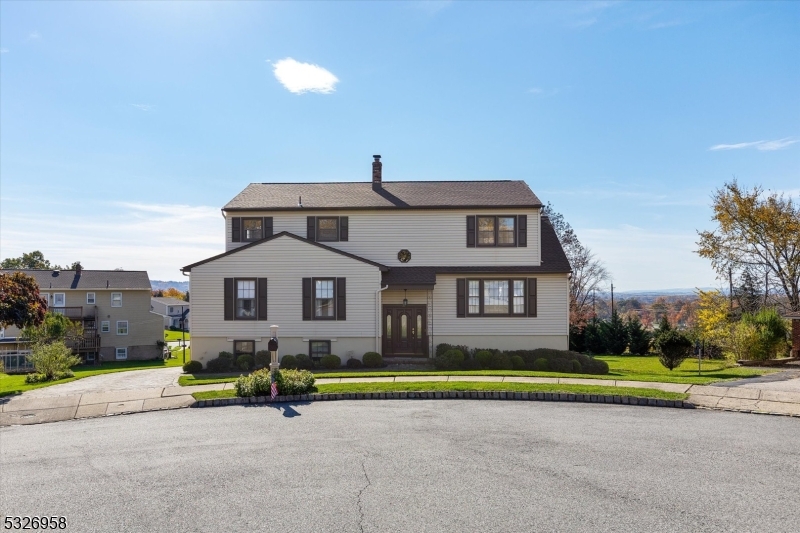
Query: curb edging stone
[{"x": 455, "y": 395}]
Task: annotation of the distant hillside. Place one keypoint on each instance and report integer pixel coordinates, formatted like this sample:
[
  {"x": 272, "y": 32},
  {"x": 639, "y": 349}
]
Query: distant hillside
[{"x": 182, "y": 286}]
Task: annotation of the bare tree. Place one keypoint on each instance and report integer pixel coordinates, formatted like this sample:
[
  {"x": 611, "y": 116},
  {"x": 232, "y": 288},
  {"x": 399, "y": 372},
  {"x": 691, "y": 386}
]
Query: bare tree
[{"x": 588, "y": 272}]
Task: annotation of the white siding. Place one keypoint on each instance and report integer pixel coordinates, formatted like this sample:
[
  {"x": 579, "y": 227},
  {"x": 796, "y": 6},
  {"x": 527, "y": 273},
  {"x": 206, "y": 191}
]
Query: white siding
[
  {"x": 434, "y": 238},
  {"x": 552, "y": 310},
  {"x": 284, "y": 262}
]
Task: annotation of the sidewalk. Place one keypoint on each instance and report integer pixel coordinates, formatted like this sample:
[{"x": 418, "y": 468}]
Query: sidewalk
[{"x": 29, "y": 408}]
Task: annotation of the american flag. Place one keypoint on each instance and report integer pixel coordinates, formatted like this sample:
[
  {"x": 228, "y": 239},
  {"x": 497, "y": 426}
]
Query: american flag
[{"x": 273, "y": 390}]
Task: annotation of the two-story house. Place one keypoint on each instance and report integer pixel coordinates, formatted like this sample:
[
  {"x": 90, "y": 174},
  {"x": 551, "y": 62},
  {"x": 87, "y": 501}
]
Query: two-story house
[
  {"x": 113, "y": 307},
  {"x": 172, "y": 310},
  {"x": 392, "y": 267}
]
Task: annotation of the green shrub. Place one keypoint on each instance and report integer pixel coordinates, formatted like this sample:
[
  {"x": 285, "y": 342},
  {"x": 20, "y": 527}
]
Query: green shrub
[
  {"x": 219, "y": 365},
  {"x": 559, "y": 364},
  {"x": 443, "y": 348},
  {"x": 330, "y": 362},
  {"x": 673, "y": 348},
  {"x": 295, "y": 382},
  {"x": 541, "y": 365},
  {"x": 638, "y": 337},
  {"x": 289, "y": 382},
  {"x": 226, "y": 355},
  {"x": 353, "y": 363},
  {"x": 517, "y": 362},
  {"x": 772, "y": 332},
  {"x": 245, "y": 362},
  {"x": 470, "y": 363},
  {"x": 576, "y": 366},
  {"x": 450, "y": 360},
  {"x": 289, "y": 362},
  {"x": 484, "y": 358},
  {"x": 589, "y": 365},
  {"x": 52, "y": 359},
  {"x": 304, "y": 362},
  {"x": 192, "y": 367},
  {"x": 501, "y": 361},
  {"x": 372, "y": 360},
  {"x": 263, "y": 359},
  {"x": 41, "y": 378}
]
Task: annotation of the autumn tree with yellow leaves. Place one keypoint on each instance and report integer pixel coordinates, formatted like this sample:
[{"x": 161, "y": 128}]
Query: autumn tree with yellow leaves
[{"x": 756, "y": 231}]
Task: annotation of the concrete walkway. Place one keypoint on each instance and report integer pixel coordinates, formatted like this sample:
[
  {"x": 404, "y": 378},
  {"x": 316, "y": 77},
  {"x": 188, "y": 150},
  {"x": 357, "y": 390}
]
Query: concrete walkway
[{"x": 93, "y": 397}]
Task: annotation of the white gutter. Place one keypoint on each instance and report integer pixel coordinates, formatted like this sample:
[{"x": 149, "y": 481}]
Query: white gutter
[{"x": 378, "y": 318}]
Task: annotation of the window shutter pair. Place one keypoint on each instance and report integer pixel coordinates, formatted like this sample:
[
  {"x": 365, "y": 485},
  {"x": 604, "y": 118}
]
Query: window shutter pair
[
  {"x": 229, "y": 295},
  {"x": 236, "y": 228},
  {"x": 521, "y": 227},
  {"x": 311, "y": 228},
  {"x": 341, "y": 298},
  {"x": 461, "y": 297}
]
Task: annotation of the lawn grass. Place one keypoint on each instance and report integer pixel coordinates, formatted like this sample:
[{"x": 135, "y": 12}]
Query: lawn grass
[
  {"x": 176, "y": 335},
  {"x": 15, "y": 383},
  {"x": 471, "y": 386},
  {"x": 628, "y": 368}
]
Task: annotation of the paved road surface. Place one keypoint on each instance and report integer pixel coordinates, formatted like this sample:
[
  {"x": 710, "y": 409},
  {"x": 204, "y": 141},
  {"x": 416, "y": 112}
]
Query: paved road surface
[
  {"x": 115, "y": 381},
  {"x": 408, "y": 466}
]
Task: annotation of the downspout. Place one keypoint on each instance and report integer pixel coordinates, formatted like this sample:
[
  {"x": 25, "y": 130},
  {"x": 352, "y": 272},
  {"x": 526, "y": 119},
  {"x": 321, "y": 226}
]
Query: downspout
[{"x": 378, "y": 319}]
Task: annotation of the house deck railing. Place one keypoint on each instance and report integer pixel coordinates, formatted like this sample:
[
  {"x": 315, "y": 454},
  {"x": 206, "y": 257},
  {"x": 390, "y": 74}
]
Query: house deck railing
[{"x": 73, "y": 313}]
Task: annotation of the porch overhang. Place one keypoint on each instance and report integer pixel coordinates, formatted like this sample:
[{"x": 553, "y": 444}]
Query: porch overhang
[{"x": 409, "y": 278}]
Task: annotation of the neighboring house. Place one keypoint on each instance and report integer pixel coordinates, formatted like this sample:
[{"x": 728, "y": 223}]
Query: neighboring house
[
  {"x": 392, "y": 267},
  {"x": 171, "y": 309},
  {"x": 113, "y": 306}
]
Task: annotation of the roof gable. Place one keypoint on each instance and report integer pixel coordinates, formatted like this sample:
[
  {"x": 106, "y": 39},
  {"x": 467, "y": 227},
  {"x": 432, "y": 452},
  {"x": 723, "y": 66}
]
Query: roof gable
[{"x": 189, "y": 268}]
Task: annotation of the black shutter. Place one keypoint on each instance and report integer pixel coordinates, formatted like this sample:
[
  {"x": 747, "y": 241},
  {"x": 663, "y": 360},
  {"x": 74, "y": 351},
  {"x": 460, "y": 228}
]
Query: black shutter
[
  {"x": 522, "y": 231},
  {"x": 531, "y": 296},
  {"x": 311, "y": 228},
  {"x": 306, "y": 298},
  {"x": 344, "y": 229},
  {"x": 341, "y": 298},
  {"x": 236, "y": 229},
  {"x": 262, "y": 299},
  {"x": 461, "y": 297},
  {"x": 267, "y": 227},
  {"x": 228, "y": 297},
  {"x": 470, "y": 230}
]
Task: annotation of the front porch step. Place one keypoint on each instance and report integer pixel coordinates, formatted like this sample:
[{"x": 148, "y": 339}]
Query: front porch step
[{"x": 404, "y": 361}]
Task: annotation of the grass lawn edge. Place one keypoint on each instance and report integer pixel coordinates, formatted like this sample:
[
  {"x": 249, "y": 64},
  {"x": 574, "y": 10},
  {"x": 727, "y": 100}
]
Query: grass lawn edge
[{"x": 466, "y": 386}]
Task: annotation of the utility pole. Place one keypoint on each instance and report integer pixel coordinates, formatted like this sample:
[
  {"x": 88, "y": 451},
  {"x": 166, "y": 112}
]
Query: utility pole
[
  {"x": 766, "y": 287},
  {"x": 612, "y": 299},
  {"x": 730, "y": 287},
  {"x": 183, "y": 334}
]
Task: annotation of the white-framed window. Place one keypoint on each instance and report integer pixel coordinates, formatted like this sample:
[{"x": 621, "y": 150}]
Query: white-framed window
[
  {"x": 116, "y": 299},
  {"x": 323, "y": 299},
  {"x": 496, "y": 297},
  {"x": 246, "y": 299},
  {"x": 59, "y": 299},
  {"x": 122, "y": 327},
  {"x": 170, "y": 310},
  {"x": 90, "y": 298},
  {"x": 105, "y": 326},
  {"x": 122, "y": 353}
]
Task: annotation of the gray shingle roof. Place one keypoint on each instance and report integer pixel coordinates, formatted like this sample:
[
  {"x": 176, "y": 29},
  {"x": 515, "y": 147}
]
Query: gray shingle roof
[
  {"x": 88, "y": 279},
  {"x": 391, "y": 195}
]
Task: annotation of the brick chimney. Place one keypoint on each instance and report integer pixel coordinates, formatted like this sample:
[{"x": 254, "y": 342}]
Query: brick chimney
[{"x": 377, "y": 172}]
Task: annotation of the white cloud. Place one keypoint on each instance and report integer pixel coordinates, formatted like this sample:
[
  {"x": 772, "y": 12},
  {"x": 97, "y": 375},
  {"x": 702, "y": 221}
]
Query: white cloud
[
  {"x": 299, "y": 78},
  {"x": 536, "y": 90},
  {"x": 766, "y": 146},
  {"x": 143, "y": 107},
  {"x": 34, "y": 35},
  {"x": 776, "y": 145},
  {"x": 159, "y": 238},
  {"x": 3, "y": 50}
]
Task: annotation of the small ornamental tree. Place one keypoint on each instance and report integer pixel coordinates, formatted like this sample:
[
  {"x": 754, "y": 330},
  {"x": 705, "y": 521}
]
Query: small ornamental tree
[
  {"x": 673, "y": 348},
  {"x": 20, "y": 302},
  {"x": 593, "y": 338},
  {"x": 53, "y": 360},
  {"x": 616, "y": 336},
  {"x": 638, "y": 337}
]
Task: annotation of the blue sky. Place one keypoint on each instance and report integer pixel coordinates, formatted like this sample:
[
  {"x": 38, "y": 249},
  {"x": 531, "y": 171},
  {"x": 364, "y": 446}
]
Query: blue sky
[{"x": 124, "y": 127}]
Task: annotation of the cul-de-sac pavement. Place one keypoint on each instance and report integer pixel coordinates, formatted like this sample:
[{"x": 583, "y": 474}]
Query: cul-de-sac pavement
[{"x": 401, "y": 465}]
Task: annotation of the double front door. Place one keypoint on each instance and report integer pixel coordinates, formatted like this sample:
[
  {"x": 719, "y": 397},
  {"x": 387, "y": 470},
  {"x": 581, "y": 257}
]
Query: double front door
[{"x": 405, "y": 331}]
